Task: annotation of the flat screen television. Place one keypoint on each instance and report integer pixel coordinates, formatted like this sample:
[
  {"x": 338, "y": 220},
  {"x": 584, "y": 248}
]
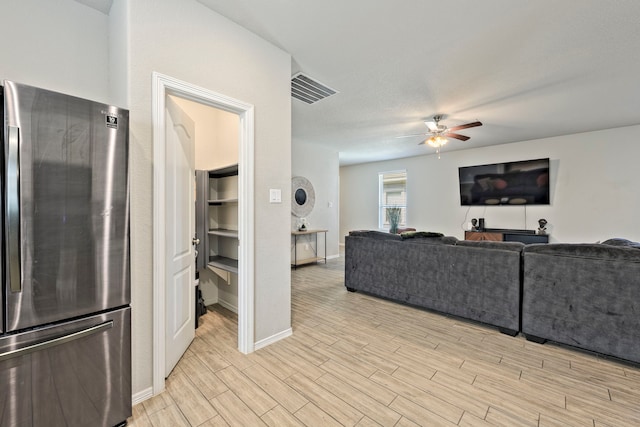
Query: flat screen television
[{"x": 513, "y": 183}]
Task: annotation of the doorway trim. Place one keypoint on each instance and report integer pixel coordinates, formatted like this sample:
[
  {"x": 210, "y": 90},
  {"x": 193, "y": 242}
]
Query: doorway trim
[{"x": 164, "y": 85}]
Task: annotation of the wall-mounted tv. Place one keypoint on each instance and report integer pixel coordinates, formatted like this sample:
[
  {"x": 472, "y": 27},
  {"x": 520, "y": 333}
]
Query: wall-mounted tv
[{"x": 513, "y": 183}]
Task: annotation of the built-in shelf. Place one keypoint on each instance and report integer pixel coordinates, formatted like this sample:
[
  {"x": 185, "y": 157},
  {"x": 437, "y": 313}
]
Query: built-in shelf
[
  {"x": 222, "y": 201},
  {"x": 224, "y": 172},
  {"x": 217, "y": 220},
  {"x": 224, "y": 232},
  {"x": 224, "y": 263}
]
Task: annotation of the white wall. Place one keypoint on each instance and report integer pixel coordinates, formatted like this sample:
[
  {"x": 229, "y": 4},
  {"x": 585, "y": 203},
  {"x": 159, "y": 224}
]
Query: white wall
[
  {"x": 60, "y": 46},
  {"x": 217, "y": 134},
  {"x": 321, "y": 167},
  {"x": 187, "y": 41},
  {"x": 594, "y": 190}
]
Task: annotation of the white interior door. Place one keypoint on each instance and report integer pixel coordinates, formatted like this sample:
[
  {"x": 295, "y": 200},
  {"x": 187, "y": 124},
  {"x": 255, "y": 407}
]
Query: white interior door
[{"x": 180, "y": 231}]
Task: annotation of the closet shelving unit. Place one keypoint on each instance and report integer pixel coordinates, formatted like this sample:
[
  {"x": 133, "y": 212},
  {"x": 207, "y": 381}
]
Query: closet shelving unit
[{"x": 217, "y": 219}]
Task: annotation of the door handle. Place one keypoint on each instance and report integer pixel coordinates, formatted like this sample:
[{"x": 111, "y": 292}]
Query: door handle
[
  {"x": 13, "y": 209},
  {"x": 195, "y": 241},
  {"x": 56, "y": 341}
]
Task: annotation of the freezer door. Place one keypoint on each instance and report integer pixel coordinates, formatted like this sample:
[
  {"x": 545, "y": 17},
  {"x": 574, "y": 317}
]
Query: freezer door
[
  {"x": 66, "y": 207},
  {"x": 74, "y": 374}
]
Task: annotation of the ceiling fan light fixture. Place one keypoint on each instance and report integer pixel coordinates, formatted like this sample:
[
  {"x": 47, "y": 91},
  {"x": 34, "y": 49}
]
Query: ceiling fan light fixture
[{"x": 437, "y": 141}]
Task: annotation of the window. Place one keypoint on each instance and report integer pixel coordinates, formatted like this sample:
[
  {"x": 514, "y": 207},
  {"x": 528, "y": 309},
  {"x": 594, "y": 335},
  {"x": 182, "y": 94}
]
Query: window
[{"x": 392, "y": 193}]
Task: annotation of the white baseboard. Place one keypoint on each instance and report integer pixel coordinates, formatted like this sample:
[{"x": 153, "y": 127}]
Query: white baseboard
[
  {"x": 228, "y": 306},
  {"x": 210, "y": 301},
  {"x": 333, "y": 256},
  {"x": 141, "y": 396},
  {"x": 273, "y": 338},
  {"x": 223, "y": 303}
]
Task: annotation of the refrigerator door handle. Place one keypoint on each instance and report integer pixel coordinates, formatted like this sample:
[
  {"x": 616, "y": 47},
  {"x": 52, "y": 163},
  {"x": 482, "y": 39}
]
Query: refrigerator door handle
[
  {"x": 13, "y": 209},
  {"x": 56, "y": 341}
]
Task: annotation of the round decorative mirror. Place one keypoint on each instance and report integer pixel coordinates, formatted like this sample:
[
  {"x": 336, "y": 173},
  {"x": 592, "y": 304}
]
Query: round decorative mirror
[
  {"x": 300, "y": 197},
  {"x": 303, "y": 197}
]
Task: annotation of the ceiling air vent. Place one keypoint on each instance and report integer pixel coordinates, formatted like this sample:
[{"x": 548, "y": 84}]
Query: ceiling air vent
[{"x": 309, "y": 90}]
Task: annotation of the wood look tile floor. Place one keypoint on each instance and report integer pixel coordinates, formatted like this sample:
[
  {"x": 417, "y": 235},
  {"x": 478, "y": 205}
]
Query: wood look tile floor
[{"x": 356, "y": 360}]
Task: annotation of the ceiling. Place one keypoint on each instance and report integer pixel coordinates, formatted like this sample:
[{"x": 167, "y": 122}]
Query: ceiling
[
  {"x": 103, "y": 6},
  {"x": 526, "y": 70}
]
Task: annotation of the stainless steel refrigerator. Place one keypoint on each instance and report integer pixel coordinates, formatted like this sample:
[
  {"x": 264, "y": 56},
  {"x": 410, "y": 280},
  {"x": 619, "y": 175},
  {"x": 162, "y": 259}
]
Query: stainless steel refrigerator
[{"x": 65, "y": 343}]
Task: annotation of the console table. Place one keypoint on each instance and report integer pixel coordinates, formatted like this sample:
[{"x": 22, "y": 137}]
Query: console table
[
  {"x": 506, "y": 235},
  {"x": 296, "y": 262}
]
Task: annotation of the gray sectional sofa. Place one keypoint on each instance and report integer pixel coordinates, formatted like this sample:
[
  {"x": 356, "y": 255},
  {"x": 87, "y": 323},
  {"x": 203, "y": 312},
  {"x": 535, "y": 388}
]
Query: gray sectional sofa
[
  {"x": 475, "y": 280},
  {"x": 582, "y": 295}
]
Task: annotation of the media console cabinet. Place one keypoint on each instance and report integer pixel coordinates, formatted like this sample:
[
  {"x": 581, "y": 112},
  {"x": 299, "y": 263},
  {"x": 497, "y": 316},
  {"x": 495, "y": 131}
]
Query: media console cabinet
[{"x": 505, "y": 235}]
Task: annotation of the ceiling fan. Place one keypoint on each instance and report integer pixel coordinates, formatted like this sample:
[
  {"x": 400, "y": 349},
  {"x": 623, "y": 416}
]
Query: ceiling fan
[{"x": 439, "y": 133}]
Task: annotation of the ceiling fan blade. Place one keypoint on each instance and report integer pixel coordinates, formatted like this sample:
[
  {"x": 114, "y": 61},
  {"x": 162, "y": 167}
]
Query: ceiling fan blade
[
  {"x": 433, "y": 126},
  {"x": 456, "y": 136},
  {"x": 415, "y": 134},
  {"x": 468, "y": 125},
  {"x": 422, "y": 142}
]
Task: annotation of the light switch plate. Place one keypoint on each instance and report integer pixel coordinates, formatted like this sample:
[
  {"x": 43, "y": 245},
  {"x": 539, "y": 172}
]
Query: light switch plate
[{"x": 275, "y": 195}]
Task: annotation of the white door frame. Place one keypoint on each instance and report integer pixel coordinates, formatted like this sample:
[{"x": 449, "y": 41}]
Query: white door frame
[{"x": 162, "y": 86}]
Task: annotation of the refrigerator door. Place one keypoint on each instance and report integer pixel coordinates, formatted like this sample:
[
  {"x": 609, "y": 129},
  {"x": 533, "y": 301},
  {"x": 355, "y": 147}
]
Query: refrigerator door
[
  {"x": 65, "y": 206},
  {"x": 74, "y": 374}
]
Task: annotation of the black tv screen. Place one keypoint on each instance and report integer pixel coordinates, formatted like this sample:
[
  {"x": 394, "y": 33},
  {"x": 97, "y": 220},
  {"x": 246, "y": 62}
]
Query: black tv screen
[{"x": 513, "y": 183}]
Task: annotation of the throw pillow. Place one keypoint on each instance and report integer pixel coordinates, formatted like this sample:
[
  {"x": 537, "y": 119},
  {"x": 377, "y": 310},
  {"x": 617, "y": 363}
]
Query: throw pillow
[
  {"x": 418, "y": 234},
  {"x": 621, "y": 242}
]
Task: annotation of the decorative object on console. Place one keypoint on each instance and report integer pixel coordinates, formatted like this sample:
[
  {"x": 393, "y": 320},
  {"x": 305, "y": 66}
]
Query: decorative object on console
[
  {"x": 303, "y": 225},
  {"x": 542, "y": 223},
  {"x": 480, "y": 224},
  {"x": 303, "y": 197},
  {"x": 474, "y": 224},
  {"x": 393, "y": 214}
]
